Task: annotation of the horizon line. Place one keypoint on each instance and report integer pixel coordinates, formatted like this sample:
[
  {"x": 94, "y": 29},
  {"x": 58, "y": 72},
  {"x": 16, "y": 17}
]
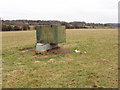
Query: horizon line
[{"x": 59, "y": 20}]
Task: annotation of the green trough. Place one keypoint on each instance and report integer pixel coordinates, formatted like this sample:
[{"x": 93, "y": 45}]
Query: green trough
[{"x": 49, "y": 36}]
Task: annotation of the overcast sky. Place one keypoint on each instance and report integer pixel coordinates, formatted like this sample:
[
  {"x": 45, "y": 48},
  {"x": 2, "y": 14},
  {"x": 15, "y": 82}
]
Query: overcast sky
[{"x": 100, "y": 11}]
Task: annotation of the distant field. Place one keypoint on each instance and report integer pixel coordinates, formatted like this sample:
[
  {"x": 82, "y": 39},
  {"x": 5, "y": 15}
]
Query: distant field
[{"x": 63, "y": 68}]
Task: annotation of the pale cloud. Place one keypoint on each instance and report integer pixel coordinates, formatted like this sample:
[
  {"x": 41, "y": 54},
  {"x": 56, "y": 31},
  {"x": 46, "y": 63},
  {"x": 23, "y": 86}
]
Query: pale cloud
[{"x": 64, "y": 10}]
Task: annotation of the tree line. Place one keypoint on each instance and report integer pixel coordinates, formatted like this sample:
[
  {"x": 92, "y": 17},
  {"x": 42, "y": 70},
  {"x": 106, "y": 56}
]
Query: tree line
[{"x": 17, "y": 25}]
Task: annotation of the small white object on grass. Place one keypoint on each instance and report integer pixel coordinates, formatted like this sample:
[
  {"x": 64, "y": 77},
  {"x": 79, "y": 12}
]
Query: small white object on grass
[{"x": 77, "y": 51}]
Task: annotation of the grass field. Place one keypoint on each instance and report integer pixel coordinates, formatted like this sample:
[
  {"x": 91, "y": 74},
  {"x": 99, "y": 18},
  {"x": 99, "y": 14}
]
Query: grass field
[{"x": 97, "y": 66}]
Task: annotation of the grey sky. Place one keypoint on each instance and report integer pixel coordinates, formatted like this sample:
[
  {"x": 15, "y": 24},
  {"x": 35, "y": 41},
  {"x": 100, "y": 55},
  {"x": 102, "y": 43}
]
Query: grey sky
[{"x": 101, "y": 11}]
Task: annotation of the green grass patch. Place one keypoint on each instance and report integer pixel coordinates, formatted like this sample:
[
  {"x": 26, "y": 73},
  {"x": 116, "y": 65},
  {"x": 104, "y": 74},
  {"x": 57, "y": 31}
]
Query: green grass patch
[{"x": 23, "y": 68}]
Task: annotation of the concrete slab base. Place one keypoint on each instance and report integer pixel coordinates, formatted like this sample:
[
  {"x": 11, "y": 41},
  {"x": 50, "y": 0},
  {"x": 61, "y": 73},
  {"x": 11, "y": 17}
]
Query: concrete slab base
[{"x": 44, "y": 47}]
